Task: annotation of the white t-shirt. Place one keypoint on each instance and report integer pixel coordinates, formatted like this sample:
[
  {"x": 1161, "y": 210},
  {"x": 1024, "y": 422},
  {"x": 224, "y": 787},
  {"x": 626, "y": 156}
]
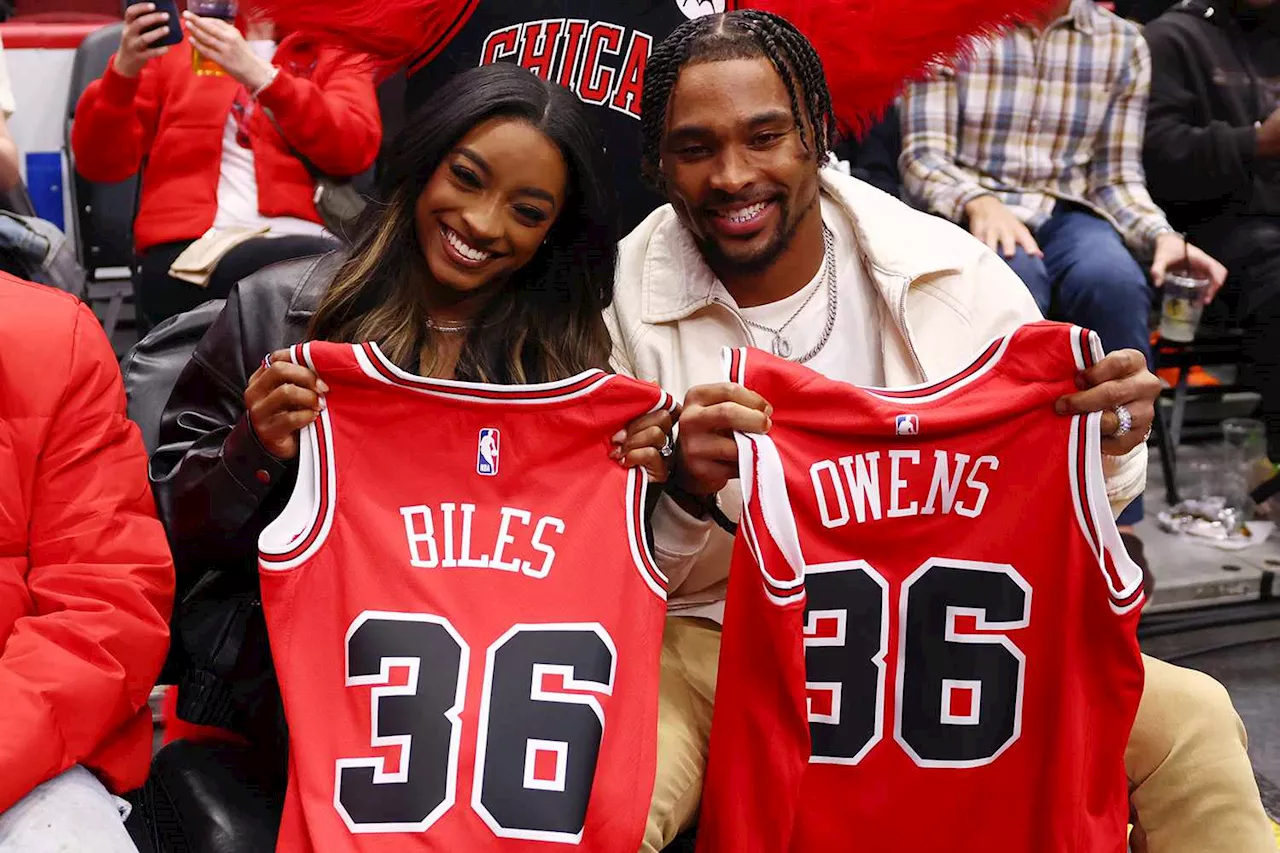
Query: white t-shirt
[
  {"x": 853, "y": 351},
  {"x": 238, "y": 182}
]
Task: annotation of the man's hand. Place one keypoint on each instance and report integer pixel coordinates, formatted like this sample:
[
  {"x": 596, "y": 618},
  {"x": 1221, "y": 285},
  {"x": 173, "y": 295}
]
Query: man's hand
[
  {"x": 1120, "y": 379},
  {"x": 994, "y": 224},
  {"x": 1269, "y": 137},
  {"x": 136, "y": 43},
  {"x": 1173, "y": 254},
  {"x": 706, "y": 455},
  {"x": 223, "y": 43}
]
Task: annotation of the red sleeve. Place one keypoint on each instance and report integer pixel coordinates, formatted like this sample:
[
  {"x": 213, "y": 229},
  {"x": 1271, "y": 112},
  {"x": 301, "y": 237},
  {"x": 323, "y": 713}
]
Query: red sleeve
[
  {"x": 335, "y": 125},
  {"x": 395, "y": 31},
  {"x": 115, "y": 123},
  {"x": 99, "y": 577}
]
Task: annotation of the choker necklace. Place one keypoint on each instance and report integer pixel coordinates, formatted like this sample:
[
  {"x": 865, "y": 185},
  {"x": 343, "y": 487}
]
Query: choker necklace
[
  {"x": 780, "y": 344},
  {"x": 448, "y": 328}
]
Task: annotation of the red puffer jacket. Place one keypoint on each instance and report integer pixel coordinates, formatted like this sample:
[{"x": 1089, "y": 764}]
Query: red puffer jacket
[
  {"x": 86, "y": 580},
  {"x": 324, "y": 100}
]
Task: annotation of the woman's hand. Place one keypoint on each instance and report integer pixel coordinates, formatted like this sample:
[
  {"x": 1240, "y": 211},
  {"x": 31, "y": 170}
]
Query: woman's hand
[
  {"x": 136, "y": 43},
  {"x": 223, "y": 43},
  {"x": 641, "y": 444},
  {"x": 281, "y": 399},
  {"x": 1120, "y": 379}
]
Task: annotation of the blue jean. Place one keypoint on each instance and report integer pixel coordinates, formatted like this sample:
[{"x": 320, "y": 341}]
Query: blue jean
[
  {"x": 70, "y": 812},
  {"x": 1088, "y": 277}
]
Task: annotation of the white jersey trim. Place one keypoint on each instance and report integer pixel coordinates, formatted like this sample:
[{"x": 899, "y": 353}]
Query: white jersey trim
[
  {"x": 951, "y": 387},
  {"x": 308, "y": 514},
  {"x": 1093, "y": 514},
  {"x": 641, "y": 553},
  {"x": 1095, "y": 348},
  {"x": 764, "y": 485},
  {"x": 540, "y": 393}
]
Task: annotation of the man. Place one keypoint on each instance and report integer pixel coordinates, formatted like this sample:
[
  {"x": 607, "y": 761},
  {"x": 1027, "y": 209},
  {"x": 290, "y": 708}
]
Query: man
[
  {"x": 738, "y": 120},
  {"x": 1213, "y": 160},
  {"x": 86, "y": 581},
  {"x": 1035, "y": 145}
]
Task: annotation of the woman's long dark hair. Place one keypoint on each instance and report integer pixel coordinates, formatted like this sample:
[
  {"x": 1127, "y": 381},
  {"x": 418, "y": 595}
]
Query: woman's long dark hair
[{"x": 545, "y": 322}]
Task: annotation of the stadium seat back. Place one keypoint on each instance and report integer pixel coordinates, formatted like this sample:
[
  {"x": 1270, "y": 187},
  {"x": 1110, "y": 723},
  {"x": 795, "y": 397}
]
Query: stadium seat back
[{"x": 103, "y": 212}]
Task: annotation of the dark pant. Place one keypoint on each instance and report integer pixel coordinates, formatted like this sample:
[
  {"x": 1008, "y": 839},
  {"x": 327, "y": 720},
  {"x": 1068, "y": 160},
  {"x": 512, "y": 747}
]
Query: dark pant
[
  {"x": 1250, "y": 247},
  {"x": 158, "y": 296},
  {"x": 1088, "y": 277}
]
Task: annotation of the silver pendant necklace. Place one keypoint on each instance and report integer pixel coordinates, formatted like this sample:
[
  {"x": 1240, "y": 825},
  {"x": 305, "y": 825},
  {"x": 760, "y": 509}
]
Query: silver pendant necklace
[{"x": 780, "y": 344}]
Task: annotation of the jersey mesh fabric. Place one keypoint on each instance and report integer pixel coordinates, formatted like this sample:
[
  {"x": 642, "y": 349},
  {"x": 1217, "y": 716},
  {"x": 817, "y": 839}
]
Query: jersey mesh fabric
[
  {"x": 464, "y": 615},
  {"x": 929, "y": 640}
]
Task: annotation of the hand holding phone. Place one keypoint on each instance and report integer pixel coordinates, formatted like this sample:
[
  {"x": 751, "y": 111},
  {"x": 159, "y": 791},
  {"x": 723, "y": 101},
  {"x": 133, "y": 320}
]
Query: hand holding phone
[{"x": 151, "y": 27}]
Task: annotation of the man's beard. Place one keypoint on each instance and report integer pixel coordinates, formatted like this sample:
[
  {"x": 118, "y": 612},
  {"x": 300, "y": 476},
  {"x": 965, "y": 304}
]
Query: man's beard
[{"x": 764, "y": 257}]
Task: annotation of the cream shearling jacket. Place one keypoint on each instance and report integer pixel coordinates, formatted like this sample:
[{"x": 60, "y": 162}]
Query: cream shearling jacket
[{"x": 943, "y": 296}]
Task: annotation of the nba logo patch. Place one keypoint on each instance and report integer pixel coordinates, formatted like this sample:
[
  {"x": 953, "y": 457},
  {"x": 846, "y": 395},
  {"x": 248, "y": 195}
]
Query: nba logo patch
[
  {"x": 487, "y": 452},
  {"x": 907, "y": 425}
]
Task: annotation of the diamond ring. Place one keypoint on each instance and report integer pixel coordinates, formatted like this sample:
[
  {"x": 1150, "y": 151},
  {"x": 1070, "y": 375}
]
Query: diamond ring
[{"x": 1126, "y": 421}]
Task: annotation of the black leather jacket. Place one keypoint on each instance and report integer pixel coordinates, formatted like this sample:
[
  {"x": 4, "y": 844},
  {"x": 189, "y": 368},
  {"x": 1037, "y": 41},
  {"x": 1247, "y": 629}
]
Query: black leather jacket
[
  {"x": 215, "y": 484},
  {"x": 216, "y": 487}
]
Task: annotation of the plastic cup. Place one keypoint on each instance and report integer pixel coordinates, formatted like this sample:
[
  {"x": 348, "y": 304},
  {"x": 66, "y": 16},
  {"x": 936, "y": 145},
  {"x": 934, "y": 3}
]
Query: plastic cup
[
  {"x": 1184, "y": 298},
  {"x": 1244, "y": 460},
  {"x": 1200, "y": 478},
  {"x": 225, "y": 10}
]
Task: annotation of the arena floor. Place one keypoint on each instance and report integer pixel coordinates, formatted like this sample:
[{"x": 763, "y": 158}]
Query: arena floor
[
  {"x": 1242, "y": 650},
  {"x": 1192, "y": 573}
]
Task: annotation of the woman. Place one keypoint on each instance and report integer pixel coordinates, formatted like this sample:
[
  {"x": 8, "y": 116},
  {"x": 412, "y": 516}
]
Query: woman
[
  {"x": 222, "y": 155},
  {"x": 492, "y": 260}
]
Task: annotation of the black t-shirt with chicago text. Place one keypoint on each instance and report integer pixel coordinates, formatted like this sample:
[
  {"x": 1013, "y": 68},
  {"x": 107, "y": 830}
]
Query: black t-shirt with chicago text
[{"x": 598, "y": 49}]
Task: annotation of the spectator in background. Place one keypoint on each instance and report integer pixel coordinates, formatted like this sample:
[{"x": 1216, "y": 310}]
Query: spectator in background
[
  {"x": 213, "y": 158},
  {"x": 873, "y": 157},
  {"x": 86, "y": 581},
  {"x": 1213, "y": 160},
  {"x": 1142, "y": 11},
  {"x": 1035, "y": 145}
]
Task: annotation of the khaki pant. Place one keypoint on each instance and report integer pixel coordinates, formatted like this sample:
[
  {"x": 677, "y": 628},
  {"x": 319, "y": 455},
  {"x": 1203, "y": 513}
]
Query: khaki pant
[{"x": 1192, "y": 786}]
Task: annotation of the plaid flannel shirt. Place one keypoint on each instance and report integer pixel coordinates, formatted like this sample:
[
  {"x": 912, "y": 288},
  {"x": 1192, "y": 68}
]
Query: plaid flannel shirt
[{"x": 1037, "y": 117}]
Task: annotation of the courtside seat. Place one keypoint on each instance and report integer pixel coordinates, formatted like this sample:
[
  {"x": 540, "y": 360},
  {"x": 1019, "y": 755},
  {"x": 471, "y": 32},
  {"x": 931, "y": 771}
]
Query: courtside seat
[{"x": 104, "y": 213}]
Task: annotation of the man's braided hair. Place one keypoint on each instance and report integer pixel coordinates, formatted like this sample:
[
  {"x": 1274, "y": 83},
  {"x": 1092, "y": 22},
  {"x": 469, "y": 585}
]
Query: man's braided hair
[{"x": 744, "y": 34}]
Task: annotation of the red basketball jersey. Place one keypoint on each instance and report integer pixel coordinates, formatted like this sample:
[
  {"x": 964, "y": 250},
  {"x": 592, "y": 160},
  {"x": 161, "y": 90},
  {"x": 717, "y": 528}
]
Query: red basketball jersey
[
  {"x": 929, "y": 641},
  {"x": 464, "y": 615}
]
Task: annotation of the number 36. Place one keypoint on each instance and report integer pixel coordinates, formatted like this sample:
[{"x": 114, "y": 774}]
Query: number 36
[
  {"x": 935, "y": 661},
  {"x": 422, "y": 718}
]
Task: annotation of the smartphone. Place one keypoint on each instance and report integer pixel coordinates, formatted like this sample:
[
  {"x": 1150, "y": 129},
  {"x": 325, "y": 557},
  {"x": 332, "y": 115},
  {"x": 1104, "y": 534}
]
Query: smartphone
[{"x": 174, "y": 23}]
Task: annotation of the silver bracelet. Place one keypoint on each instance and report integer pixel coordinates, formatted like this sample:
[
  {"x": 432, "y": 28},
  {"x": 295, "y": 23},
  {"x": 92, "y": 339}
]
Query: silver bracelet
[{"x": 275, "y": 72}]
